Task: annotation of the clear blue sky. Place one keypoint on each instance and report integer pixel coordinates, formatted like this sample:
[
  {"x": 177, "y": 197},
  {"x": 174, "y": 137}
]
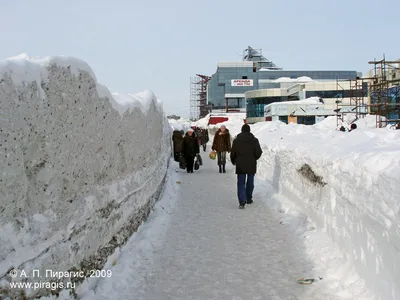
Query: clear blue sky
[{"x": 134, "y": 45}]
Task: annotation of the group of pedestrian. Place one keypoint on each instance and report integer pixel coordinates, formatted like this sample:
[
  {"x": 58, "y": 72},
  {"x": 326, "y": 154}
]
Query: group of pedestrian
[
  {"x": 187, "y": 146},
  {"x": 244, "y": 152},
  {"x": 202, "y": 137}
]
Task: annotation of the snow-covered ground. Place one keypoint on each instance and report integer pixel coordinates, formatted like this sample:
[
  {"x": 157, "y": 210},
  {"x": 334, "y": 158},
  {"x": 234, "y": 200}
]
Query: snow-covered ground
[
  {"x": 79, "y": 168},
  {"x": 197, "y": 244}
]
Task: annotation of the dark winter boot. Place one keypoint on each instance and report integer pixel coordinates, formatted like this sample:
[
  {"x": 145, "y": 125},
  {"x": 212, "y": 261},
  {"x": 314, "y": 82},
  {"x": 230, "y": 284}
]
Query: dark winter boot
[
  {"x": 241, "y": 206},
  {"x": 220, "y": 168},
  {"x": 223, "y": 169}
]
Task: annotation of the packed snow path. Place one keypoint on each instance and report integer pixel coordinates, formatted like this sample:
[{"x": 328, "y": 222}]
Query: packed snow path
[{"x": 197, "y": 244}]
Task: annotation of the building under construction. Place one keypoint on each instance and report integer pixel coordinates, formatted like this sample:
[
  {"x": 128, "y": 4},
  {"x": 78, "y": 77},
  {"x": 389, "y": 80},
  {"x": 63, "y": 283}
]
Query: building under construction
[
  {"x": 227, "y": 88},
  {"x": 198, "y": 97},
  {"x": 355, "y": 103},
  {"x": 249, "y": 85},
  {"x": 384, "y": 87}
]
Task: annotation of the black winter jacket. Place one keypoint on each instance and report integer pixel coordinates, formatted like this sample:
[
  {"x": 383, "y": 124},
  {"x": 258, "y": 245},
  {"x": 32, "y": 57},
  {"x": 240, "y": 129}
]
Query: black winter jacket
[
  {"x": 190, "y": 145},
  {"x": 177, "y": 139},
  {"x": 245, "y": 152},
  {"x": 204, "y": 137}
]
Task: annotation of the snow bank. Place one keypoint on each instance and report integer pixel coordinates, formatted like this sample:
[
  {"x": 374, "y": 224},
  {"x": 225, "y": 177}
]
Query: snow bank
[
  {"x": 234, "y": 121},
  {"x": 180, "y": 124},
  {"x": 79, "y": 169},
  {"x": 203, "y": 122},
  {"x": 329, "y": 123},
  {"x": 142, "y": 100},
  {"x": 348, "y": 186}
]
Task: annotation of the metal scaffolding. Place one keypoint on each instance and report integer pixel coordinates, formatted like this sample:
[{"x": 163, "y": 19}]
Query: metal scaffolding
[
  {"x": 358, "y": 92},
  {"x": 198, "y": 97},
  {"x": 385, "y": 92}
]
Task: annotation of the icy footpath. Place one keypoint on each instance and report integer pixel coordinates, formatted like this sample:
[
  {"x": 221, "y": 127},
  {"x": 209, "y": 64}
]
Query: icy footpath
[{"x": 197, "y": 244}]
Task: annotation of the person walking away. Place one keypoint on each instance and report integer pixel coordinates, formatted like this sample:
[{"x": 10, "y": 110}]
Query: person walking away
[
  {"x": 190, "y": 148},
  {"x": 222, "y": 144},
  {"x": 177, "y": 140},
  {"x": 199, "y": 135},
  {"x": 204, "y": 138},
  {"x": 245, "y": 152}
]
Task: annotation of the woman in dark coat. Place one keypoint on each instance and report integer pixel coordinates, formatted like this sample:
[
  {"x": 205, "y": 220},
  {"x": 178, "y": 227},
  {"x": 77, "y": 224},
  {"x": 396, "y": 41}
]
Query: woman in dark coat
[
  {"x": 177, "y": 139},
  {"x": 222, "y": 144},
  {"x": 190, "y": 148}
]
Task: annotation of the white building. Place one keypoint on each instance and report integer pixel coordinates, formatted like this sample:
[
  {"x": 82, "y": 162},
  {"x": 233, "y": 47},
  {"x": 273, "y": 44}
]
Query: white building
[{"x": 328, "y": 98}]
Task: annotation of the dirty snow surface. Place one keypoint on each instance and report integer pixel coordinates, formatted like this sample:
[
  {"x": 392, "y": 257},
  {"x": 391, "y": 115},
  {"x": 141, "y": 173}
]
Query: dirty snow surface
[{"x": 197, "y": 244}]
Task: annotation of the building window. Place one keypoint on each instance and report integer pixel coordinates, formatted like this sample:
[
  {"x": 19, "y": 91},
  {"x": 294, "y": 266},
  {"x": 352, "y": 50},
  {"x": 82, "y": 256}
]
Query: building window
[
  {"x": 283, "y": 119},
  {"x": 244, "y": 77},
  {"x": 306, "y": 120},
  {"x": 255, "y": 106},
  {"x": 338, "y": 93}
]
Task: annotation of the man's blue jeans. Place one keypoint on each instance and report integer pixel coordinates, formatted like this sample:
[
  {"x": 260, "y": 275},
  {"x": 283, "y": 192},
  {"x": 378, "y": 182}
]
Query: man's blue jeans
[{"x": 245, "y": 188}]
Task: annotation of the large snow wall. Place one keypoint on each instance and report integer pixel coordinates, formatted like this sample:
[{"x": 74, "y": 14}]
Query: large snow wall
[
  {"x": 79, "y": 171},
  {"x": 348, "y": 184}
]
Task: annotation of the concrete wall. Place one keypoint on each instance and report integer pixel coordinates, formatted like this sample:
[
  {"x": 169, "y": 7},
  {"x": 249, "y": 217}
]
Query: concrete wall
[{"x": 77, "y": 178}]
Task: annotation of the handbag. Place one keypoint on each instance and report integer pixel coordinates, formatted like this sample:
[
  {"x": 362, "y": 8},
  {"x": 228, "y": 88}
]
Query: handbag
[
  {"x": 196, "y": 164},
  {"x": 213, "y": 154},
  {"x": 198, "y": 158}
]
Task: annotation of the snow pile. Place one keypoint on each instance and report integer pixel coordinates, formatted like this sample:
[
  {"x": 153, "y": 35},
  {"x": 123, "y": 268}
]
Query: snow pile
[
  {"x": 143, "y": 100},
  {"x": 232, "y": 117},
  {"x": 79, "y": 169},
  {"x": 369, "y": 122},
  {"x": 180, "y": 124},
  {"x": 234, "y": 120},
  {"x": 203, "y": 122},
  {"x": 347, "y": 184}
]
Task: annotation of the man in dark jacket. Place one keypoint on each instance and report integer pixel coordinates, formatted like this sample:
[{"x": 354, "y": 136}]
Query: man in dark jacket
[
  {"x": 245, "y": 152},
  {"x": 190, "y": 148},
  {"x": 204, "y": 138}
]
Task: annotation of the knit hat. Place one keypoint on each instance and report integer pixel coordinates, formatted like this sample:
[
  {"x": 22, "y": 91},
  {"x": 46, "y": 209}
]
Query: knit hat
[
  {"x": 245, "y": 128},
  {"x": 190, "y": 130}
]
